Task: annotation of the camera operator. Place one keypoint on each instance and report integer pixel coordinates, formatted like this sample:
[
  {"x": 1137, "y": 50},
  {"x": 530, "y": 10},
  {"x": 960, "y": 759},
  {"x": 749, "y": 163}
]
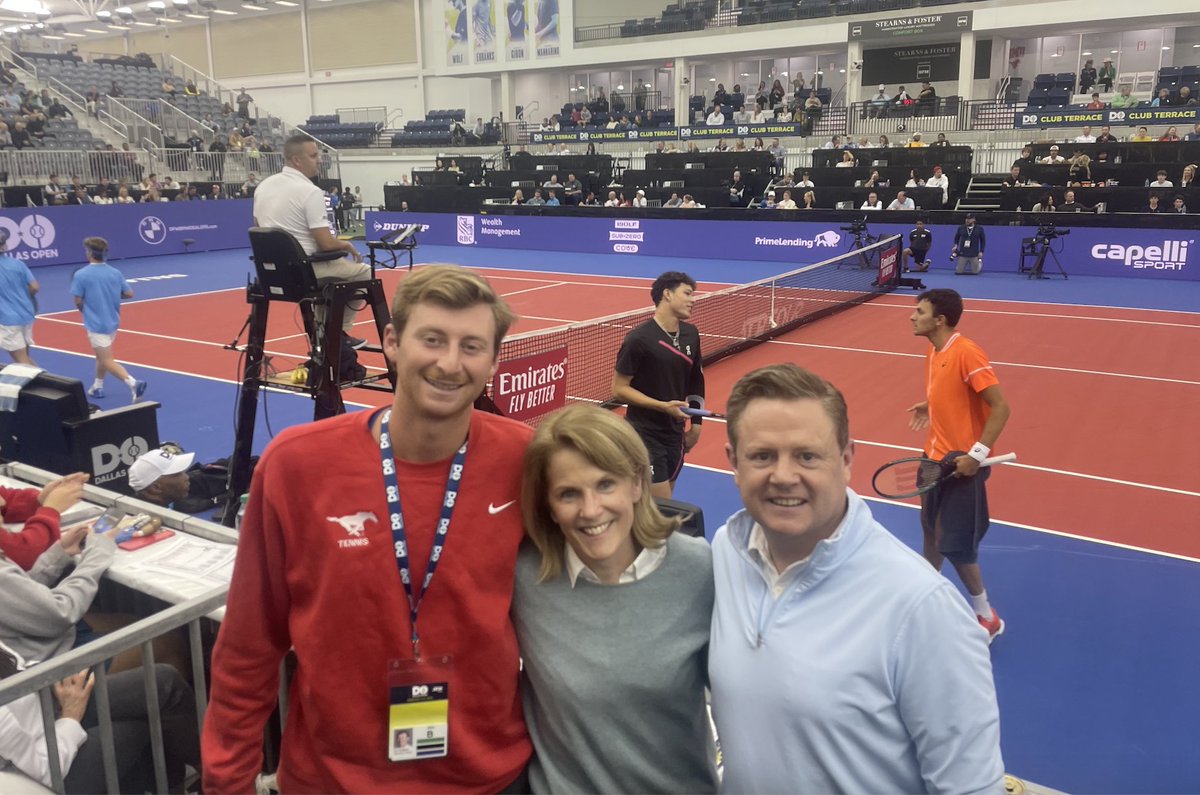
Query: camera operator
[
  {"x": 969, "y": 243},
  {"x": 920, "y": 240}
]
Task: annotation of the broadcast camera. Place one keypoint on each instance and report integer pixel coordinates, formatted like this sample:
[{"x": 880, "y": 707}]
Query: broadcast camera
[
  {"x": 1048, "y": 231},
  {"x": 857, "y": 227}
]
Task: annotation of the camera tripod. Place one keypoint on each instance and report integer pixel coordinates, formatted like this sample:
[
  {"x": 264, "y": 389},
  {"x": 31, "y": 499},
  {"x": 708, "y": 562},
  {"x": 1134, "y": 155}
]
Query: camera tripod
[{"x": 1039, "y": 248}]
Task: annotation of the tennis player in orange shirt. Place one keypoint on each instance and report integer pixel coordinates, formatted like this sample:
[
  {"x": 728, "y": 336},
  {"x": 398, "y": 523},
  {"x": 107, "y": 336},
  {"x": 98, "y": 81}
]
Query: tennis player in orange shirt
[{"x": 964, "y": 411}]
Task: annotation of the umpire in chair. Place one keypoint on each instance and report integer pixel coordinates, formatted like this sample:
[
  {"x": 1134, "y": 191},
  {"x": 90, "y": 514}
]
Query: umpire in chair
[{"x": 291, "y": 201}]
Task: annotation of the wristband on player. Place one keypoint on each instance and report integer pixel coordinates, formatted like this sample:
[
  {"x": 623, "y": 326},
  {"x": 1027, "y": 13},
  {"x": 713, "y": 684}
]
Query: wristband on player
[{"x": 979, "y": 452}]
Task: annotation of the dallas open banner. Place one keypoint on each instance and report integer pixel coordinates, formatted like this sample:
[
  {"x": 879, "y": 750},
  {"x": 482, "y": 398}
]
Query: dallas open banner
[
  {"x": 1077, "y": 117},
  {"x": 54, "y": 235},
  {"x": 456, "y": 32},
  {"x": 517, "y": 18},
  {"x": 483, "y": 30},
  {"x": 1155, "y": 254},
  {"x": 531, "y": 386}
]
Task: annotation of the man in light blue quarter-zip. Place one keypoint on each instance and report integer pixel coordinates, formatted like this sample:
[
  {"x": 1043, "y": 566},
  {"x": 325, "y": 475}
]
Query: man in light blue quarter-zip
[{"x": 840, "y": 661}]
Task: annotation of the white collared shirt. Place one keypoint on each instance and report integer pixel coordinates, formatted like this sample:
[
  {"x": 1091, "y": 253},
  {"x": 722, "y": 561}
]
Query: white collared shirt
[
  {"x": 777, "y": 581},
  {"x": 289, "y": 200},
  {"x": 647, "y": 561}
]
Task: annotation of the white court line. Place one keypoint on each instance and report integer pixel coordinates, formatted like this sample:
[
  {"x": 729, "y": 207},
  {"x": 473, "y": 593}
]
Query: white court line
[
  {"x": 535, "y": 289},
  {"x": 151, "y": 300},
  {"x": 994, "y": 361},
  {"x": 1090, "y": 318},
  {"x": 1034, "y": 528}
]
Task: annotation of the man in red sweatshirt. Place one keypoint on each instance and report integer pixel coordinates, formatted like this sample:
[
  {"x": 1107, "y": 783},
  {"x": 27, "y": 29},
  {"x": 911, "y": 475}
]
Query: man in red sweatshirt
[
  {"x": 380, "y": 547},
  {"x": 40, "y": 511}
]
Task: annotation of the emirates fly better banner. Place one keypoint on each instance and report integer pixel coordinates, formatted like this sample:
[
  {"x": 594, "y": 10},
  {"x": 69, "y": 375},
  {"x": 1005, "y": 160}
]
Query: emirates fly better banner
[{"x": 531, "y": 386}]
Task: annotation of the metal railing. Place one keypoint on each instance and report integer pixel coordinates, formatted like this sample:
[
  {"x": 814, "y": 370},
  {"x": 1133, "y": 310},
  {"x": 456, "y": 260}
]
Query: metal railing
[
  {"x": 34, "y": 166},
  {"x": 138, "y": 126},
  {"x": 374, "y": 113},
  {"x": 41, "y": 678}
]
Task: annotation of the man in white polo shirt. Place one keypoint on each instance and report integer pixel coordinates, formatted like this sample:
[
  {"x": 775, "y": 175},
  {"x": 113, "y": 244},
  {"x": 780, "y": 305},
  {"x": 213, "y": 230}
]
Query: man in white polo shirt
[{"x": 290, "y": 200}]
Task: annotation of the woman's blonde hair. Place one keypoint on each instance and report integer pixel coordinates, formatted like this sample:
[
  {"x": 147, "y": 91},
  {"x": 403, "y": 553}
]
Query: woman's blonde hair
[{"x": 606, "y": 442}]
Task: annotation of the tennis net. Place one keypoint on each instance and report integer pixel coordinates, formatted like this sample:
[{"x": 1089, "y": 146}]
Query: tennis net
[{"x": 729, "y": 320}]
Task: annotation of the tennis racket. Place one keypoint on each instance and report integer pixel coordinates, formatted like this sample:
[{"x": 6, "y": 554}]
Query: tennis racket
[
  {"x": 702, "y": 413},
  {"x": 910, "y": 477}
]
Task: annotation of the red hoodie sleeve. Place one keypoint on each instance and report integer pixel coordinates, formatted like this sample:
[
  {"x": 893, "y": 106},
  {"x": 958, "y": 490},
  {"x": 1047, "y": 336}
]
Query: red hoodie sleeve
[{"x": 42, "y": 527}]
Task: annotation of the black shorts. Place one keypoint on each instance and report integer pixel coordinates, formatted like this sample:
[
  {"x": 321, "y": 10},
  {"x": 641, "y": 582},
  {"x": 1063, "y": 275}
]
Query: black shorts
[
  {"x": 961, "y": 503},
  {"x": 919, "y": 254},
  {"x": 666, "y": 455}
]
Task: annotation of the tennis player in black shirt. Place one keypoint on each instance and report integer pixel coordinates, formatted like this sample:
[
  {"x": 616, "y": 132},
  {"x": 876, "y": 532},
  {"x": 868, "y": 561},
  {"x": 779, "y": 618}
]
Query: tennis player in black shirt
[
  {"x": 920, "y": 240},
  {"x": 658, "y": 371}
]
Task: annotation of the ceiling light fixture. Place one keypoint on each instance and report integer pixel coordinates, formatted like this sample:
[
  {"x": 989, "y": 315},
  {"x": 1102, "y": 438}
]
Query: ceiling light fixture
[
  {"x": 75, "y": 35},
  {"x": 94, "y": 30},
  {"x": 287, "y": 3}
]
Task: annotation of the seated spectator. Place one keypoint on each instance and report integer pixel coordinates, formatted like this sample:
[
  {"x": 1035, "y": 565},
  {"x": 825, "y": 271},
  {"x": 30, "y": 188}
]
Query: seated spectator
[
  {"x": 250, "y": 185},
  {"x": 168, "y": 87},
  {"x": 769, "y": 202},
  {"x": 1161, "y": 180},
  {"x": 1046, "y": 205},
  {"x": 720, "y": 146},
  {"x": 453, "y": 168},
  {"x": 810, "y": 200},
  {"x": 778, "y": 152},
  {"x": 123, "y": 196},
  {"x": 1054, "y": 157},
  {"x": 1080, "y": 170},
  {"x": 1086, "y": 136},
  {"x": 537, "y": 200},
  {"x": 1194, "y": 135},
  {"x": 5, "y": 135},
  {"x": 941, "y": 141},
  {"x": 21, "y": 139},
  {"x": 674, "y": 201},
  {"x": 716, "y": 117},
  {"x": 214, "y": 193},
  {"x": 926, "y": 100},
  {"x": 913, "y": 180},
  {"x": 759, "y": 146},
  {"x": 759, "y": 115},
  {"x": 190, "y": 89},
  {"x": 848, "y": 160},
  {"x": 1105, "y": 136},
  {"x": 623, "y": 201},
  {"x": 762, "y": 96},
  {"x": 1096, "y": 104},
  {"x": 1125, "y": 99},
  {"x": 57, "y": 110},
  {"x": 902, "y": 98},
  {"x": 115, "y": 91},
  {"x": 720, "y": 96},
  {"x": 688, "y": 202},
  {"x": 79, "y": 196},
  {"x": 585, "y": 116},
  {"x": 552, "y": 182},
  {"x": 835, "y": 142},
  {"x": 739, "y": 145},
  {"x": 1014, "y": 178},
  {"x": 872, "y": 202},
  {"x": 1107, "y": 76},
  {"x": 1087, "y": 77},
  {"x": 902, "y": 202},
  {"x": 572, "y": 189},
  {"x": 812, "y": 106},
  {"x": 741, "y": 115},
  {"x": 787, "y": 202},
  {"x": 1170, "y": 135},
  {"x": 1189, "y": 176},
  {"x": 193, "y": 193},
  {"x": 168, "y": 183},
  {"x": 590, "y": 200},
  {"x": 1163, "y": 100},
  {"x": 875, "y": 180},
  {"x": 518, "y": 197},
  {"x": 884, "y": 142},
  {"x": 878, "y": 104},
  {"x": 612, "y": 201},
  {"x": 1069, "y": 204},
  {"x": 777, "y": 94},
  {"x": 1177, "y": 206},
  {"x": 53, "y": 190},
  {"x": 804, "y": 181},
  {"x": 39, "y": 511},
  {"x": 552, "y": 199},
  {"x": 939, "y": 180},
  {"x": 1153, "y": 205},
  {"x": 639, "y": 199},
  {"x": 916, "y": 142},
  {"x": 1185, "y": 97},
  {"x": 737, "y": 190},
  {"x": 1141, "y": 136}
]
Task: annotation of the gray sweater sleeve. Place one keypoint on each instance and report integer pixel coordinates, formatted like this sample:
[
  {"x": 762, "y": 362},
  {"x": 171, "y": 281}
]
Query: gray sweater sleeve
[{"x": 36, "y": 610}]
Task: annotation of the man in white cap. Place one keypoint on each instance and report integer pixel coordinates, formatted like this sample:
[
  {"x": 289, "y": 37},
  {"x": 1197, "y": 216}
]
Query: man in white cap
[
  {"x": 879, "y": 102},
  {"x": 640, "y": 199},
  {"x": 1054, "y": 156},
  {"x": 160, "y": 476}
]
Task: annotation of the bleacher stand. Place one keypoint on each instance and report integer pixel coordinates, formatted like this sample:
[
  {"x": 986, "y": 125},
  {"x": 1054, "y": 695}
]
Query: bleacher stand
[{"x": 330, "y": 129}]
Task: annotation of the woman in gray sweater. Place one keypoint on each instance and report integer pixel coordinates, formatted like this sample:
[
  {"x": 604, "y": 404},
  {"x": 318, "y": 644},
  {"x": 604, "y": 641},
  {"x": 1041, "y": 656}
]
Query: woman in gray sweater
[{"x": 612, "y": 610}]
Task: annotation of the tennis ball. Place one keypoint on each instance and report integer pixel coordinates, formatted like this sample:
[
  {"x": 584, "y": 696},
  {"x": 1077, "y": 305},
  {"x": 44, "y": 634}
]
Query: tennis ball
[{"x": 300, "y": 375}]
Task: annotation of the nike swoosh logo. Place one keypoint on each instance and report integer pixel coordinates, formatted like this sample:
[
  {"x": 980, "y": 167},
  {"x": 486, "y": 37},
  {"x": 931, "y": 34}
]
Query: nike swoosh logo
[{"x": 494, "y": 509}]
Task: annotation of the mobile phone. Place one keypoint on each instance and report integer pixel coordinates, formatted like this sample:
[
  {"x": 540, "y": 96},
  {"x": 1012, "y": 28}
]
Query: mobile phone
[{"x": 108, "y": 520}]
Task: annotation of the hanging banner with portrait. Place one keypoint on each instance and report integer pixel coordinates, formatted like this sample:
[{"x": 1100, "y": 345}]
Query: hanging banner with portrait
[
  {"x": 545, "y": 28},
  {"x": 517, "y": 20},
  {"x": 483, "y": 30},
  {"x": 456, "y": 32}
]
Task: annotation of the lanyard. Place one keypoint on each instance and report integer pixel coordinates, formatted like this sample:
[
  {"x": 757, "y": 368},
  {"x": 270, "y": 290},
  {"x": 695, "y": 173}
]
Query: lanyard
[{"x": 400, "y": 538}]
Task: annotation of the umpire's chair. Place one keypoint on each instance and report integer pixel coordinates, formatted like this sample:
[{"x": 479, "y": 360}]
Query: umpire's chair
[{"x": 284, "y": 272}]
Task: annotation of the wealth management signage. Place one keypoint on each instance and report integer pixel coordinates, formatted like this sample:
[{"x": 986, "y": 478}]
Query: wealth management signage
[{"x": 924, "y": 27}]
